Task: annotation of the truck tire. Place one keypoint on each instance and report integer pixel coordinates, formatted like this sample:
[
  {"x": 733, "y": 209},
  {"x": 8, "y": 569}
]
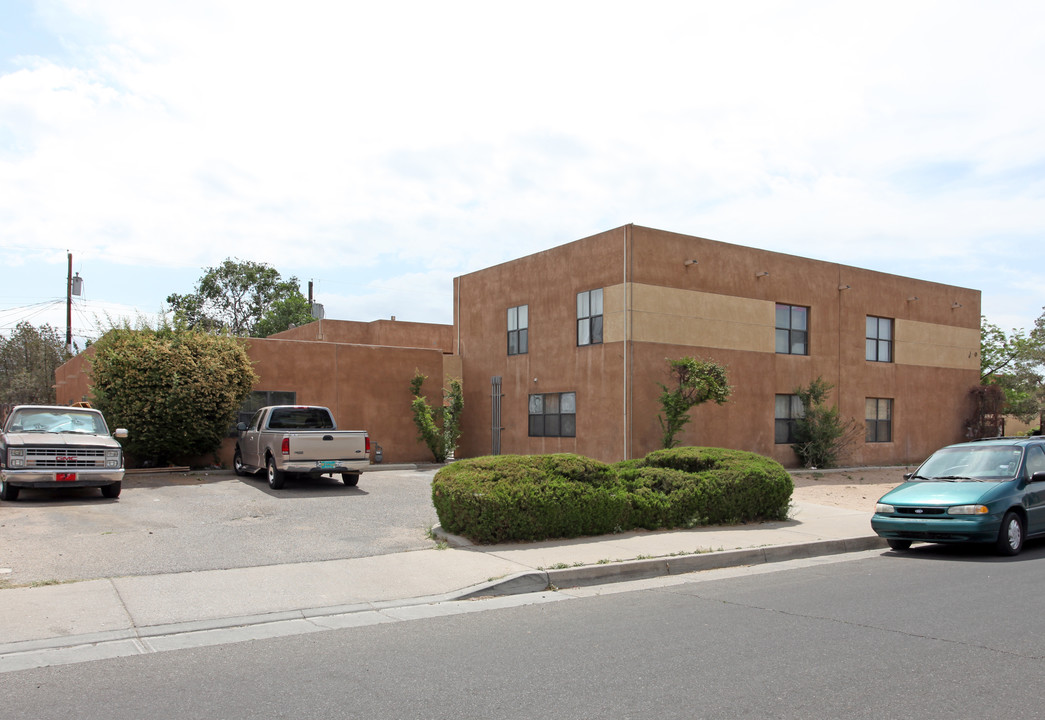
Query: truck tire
[
  {"x": 8, "y": 492},
  {"x": 276, "y": 477},
  {"x": 112, "y": 491},
  {"x": 350, "y": 479},
  {"x": 237, "y": 463}
]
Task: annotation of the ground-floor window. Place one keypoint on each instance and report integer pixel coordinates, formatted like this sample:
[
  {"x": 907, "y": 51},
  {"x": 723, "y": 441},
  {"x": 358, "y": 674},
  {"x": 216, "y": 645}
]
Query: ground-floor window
[
  {"x": 878, "y": 417},
  {"x": 788, "y": 411},
  {"x": 553, "y": 415}
]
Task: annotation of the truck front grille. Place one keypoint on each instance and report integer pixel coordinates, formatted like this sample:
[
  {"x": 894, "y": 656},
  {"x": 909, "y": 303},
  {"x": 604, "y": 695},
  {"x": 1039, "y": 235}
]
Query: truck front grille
[{"x": 63, "y": 457}]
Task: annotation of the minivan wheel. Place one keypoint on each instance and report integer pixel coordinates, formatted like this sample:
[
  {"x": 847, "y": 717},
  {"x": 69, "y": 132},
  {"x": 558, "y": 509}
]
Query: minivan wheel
[
  {"x": 899, "y": 544},
  {"x": 1010, "y": 536}
]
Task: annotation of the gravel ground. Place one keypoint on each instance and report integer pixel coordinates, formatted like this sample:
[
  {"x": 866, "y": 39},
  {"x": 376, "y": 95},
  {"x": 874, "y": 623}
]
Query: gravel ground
[{"x": 851, "y": 488}]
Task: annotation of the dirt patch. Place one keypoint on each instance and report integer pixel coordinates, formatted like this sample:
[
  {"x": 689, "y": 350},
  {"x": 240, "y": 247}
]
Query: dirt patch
[{"x": 850, "y": 488}]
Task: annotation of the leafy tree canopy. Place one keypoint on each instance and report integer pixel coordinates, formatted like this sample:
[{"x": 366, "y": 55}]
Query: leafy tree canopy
[
  {"x": 28, "y": 359},
  {"x": 175, "y": 390},
  {"x": 242, "y": 298}
]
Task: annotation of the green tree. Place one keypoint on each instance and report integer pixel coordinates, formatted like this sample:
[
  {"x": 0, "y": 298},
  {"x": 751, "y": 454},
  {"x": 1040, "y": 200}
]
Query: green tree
[
  {"x": 175, "y": 390},
  {"x": 284, "y": 314},
  {"x": 821, "y": 434},
  {"x": 438, "y": 428},
  {"x": 28, "y": 359},
  {"x": 244, "y": 298},
  {"x": 692, "y": 382}
]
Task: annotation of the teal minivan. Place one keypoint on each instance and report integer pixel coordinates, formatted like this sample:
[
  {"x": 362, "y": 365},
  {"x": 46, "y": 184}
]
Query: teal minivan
[{"x": 985, "y": 491}]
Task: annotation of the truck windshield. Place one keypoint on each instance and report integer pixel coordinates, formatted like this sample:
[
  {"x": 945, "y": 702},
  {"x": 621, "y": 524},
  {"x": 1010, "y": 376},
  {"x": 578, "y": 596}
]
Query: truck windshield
[
  {"x": 57, "y": 421},
  {"x": 300, "y": 418}
]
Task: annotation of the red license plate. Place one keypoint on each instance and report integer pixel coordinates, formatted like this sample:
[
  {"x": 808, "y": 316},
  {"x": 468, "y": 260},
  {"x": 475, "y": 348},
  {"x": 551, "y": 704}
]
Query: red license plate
[{"x": 65, "y": 477}]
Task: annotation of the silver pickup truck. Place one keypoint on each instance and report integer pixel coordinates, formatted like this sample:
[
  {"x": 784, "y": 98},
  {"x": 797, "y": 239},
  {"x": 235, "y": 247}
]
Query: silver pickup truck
[
  {"x": 287, "y": 440},
  {"x": 45, "y": 446}
]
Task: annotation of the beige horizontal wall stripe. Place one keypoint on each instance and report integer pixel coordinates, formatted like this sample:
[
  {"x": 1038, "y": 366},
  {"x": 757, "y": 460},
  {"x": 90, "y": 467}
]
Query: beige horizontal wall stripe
[
  {"x": 686, "y": 317},
  {"x": 931, "y": 345}
]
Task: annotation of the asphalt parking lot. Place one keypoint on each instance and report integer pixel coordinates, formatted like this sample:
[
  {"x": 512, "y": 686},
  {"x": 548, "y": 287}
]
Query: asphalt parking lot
[{"x": 210, "y": 520}]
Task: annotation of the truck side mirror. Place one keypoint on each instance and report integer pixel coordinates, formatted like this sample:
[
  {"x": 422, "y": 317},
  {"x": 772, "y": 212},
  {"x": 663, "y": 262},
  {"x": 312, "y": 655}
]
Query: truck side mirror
[
  {"x": 120, "y": 433},
  {"x": 241, "y": 427}
]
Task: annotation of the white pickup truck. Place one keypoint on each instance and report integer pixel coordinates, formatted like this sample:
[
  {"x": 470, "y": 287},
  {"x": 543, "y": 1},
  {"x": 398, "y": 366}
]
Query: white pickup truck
[
  {"x": 288, "y": 440},
  {"x": 53, "y": 446}
]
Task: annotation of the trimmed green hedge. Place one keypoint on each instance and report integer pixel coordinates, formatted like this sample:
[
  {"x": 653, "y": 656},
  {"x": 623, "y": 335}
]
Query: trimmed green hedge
[{"x": 535, "y": 497}]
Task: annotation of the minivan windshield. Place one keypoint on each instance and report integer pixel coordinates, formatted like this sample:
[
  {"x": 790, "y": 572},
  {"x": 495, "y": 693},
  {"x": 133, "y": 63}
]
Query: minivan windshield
[{"x": 969, "y": 463}]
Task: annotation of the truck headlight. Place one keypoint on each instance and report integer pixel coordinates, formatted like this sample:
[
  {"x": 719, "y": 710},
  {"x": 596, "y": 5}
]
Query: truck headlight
[
  {"x": 112, "y": 458},
  {"x": 16, "y": 457}
]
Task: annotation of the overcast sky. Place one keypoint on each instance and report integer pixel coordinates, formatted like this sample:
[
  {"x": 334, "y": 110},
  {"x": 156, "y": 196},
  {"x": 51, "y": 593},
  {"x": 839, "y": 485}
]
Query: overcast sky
[{"x": 382, "y": 148}]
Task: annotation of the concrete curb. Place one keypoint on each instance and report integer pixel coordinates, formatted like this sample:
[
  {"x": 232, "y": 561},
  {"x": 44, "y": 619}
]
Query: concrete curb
[{"x": 541, "y": 580}]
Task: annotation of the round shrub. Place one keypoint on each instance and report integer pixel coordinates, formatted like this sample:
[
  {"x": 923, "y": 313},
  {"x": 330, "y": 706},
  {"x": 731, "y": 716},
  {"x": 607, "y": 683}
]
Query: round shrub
[
  {"x": 718, "y": 485},
  {"x": 535, "y": 497},
  {"x": 513, "y": 497}
]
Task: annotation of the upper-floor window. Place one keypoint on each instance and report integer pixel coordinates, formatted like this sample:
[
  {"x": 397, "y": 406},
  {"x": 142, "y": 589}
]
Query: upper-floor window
[
  {"x": 553, "y": 415},
  {"x": 879, "y": 339},
  {"x": 518, "y": 330},
  {"x": 788, "y": 410},
  {"x": 878, "y": 418},
  {"x": 792, "y": 329},
  {"x": 589, "y": 317}
]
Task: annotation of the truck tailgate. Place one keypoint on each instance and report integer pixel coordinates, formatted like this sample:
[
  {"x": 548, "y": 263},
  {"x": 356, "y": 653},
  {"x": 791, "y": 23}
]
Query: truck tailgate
[{"x": 327, "y": 445}]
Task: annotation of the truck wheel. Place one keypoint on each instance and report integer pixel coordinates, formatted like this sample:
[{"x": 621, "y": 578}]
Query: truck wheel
[
  {"x": 275, "y": 476},
  {"x": 8, "y": 491},
  {"x": 237, "y": 463},
  {"x": 111, "y": 491},
  {"x": 350, "y": 479}
]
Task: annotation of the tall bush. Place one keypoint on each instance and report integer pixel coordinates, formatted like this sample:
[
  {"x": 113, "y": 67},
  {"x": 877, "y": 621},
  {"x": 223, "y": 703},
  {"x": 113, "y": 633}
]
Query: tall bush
[
  {"x": 175, "y": 390},
  {"x": 438, "y": 428},
  {"x": 822, "y": 436},
  {"x": 692, "y": 382}
]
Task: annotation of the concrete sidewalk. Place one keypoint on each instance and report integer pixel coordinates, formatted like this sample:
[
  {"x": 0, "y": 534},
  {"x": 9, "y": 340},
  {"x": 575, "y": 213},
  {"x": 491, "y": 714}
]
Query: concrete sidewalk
[{"x": 113, "y": 617}]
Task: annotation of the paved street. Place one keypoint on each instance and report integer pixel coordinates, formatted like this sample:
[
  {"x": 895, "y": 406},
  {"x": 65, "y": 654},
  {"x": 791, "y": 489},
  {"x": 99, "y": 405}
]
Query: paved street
[
  {"x": 166, "y": 523},
  {"x": 935, "y": 633}
]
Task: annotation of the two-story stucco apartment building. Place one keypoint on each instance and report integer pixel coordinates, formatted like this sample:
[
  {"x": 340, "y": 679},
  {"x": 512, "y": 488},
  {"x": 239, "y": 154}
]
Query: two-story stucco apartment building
[{"x": 562, "y": 351}]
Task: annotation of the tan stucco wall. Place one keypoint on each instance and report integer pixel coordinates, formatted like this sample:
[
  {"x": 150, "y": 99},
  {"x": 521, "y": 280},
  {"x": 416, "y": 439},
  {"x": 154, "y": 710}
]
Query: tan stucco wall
[
  {"x": 367, "y": 387},
  {"x": 656, "y": 306}
]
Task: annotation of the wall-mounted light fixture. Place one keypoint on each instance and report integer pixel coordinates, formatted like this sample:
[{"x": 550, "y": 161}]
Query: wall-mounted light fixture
[
  {"x": 764, "y": 273},
  {"x": 689, "y": 262},
  {"x": 955, "y": 305},
  {"x": 535, "y": 379},
  {"x": 912, "y": 298},
  {"x": 845, "y": 287}
]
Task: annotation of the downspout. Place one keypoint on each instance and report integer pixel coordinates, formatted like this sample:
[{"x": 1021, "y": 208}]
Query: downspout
[{"x": 627, "y": 346}]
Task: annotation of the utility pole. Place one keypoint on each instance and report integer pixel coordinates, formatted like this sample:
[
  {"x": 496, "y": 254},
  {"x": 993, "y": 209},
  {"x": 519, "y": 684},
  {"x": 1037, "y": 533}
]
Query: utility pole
[
  {"x": 73, "y": 286},
  {"x": 69, "y": 308}
]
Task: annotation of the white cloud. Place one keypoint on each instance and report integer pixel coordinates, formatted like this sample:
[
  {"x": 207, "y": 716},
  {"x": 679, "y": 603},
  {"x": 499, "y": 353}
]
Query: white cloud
[{"x": 422, "y": 140}]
